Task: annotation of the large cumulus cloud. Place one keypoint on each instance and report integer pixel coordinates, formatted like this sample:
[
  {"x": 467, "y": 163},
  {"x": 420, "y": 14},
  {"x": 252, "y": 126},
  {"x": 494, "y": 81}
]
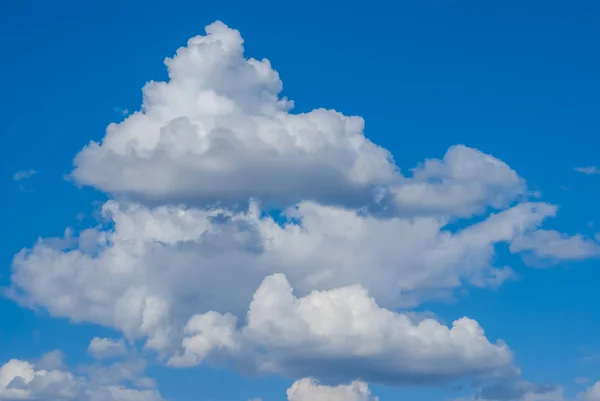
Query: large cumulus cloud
[
  {"x": 324, "y": 211},
  {"x": 217, "y": 132}
]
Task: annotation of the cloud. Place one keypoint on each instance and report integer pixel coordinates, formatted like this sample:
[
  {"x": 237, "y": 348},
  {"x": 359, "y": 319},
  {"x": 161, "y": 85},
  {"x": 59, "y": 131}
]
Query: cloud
[
  {"x": 21, "y": 380},
  {"x": 151, "y": 269},
  {"x": 553, "y": 245},
  {"x": 520, "y": 390},
  {"x": 592, "y": 393},
  {"x": 106, "y": 348},
  {"x": 464, "y": 183},
  {"x": 311, "y": 390},
  {"x": 343, "y": 334},
  {"x": 589, "y": 170},
  {"x": 219, "y": 189},
  {"x": 218, "y": 132},
  {"x": 23, "y": 174}
]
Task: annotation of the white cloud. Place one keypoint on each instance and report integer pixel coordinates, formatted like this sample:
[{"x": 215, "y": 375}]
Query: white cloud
[
  {"x": 343, "y": 334},
  {"x": 106, "y": 348},
  {"x": 217, "y": 132},
  {"x": 156, "y": 267},
  {"x": 310, "y": 390},
  {"x": 550, "y": 244},
  {"x": 21, "y": 380},
  {"x": 23, "y": 174},
  {"x": 592, "y": 393},
  {"x": 589, "y": 170},
  {"x": 171, "y": 268},
  {"x": 464, "y": 183}
]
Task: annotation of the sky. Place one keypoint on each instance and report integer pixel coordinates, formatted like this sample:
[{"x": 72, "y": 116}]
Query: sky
[{"x": 324, "y": 201}]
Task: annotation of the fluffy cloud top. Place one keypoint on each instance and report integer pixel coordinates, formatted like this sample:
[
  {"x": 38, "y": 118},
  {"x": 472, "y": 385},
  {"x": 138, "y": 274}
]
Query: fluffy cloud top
[
  {"x": 465, "y": 182},
  {"x": 310, "y": 390},
  {"x": 217, "y": 131}
]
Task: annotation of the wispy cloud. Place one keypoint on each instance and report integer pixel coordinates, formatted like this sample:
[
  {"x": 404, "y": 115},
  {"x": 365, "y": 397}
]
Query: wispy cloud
[
  {"x": 590, "y": 170},
  {"x": 23, "y": 174}
]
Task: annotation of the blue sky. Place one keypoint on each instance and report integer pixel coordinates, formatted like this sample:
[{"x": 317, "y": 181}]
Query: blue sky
[{"x": 514, "y": 80}]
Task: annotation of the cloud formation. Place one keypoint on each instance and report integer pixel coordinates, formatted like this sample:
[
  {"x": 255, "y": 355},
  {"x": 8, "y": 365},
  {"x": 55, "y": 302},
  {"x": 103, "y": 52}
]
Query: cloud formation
[
  {"x": 224, "y": 200},
  {"x": 218, "y": 132},
  {"x": 151, "y": 269}
]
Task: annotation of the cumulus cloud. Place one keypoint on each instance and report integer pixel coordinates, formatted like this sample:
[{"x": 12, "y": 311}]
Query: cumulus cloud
[
  {"x": 343, "y": 334},
  {"x": 465, "y": 182},
  {"x": 325, "y": 211},
  {"x": 22, "y": 380},
  {"x": 106, "y": 348},
  {"x": 310, "y": 390},
  {"x": 218, "y": 132}
]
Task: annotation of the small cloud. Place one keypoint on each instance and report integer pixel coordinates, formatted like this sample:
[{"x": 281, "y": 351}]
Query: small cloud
[
  {"x": 589, "y": 354},
  {"x": 101, "y": 348},
  {"x": 589, "y": 170},
  {"x": 564, "y": 187},
  {"x": 582, "y": 380},
  {"x": 23, "y": 174},
  {"x": 122, "y": 111},
  {"x": 80, "y": 216},
  {"x": 51, "y": 361}
]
